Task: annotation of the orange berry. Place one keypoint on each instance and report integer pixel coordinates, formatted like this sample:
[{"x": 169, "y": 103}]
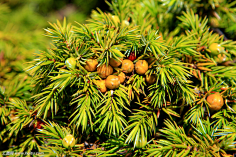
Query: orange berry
[
  {"x": 115, "y": 63},
  {"x": 102, "y": 86},
  {"x": 104, "y": 71},
  {"x": 141, "y": 67},
  {"x": 127, "y": 66},
  {"x": 121, "y": 77},
  {"x": 216, "y": 101},
  {"x": 151, "y": 79},
  {"x": 91, "y": 65},
  {"x": 112, "y": 82}
]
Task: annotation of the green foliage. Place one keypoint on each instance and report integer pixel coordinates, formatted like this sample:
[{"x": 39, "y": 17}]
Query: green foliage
[
  {"x": 202, "y": 143},
  {"x": 171, "y": 117}
]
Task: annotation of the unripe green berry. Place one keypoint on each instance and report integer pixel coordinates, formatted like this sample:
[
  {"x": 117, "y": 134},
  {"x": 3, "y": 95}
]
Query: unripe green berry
[
  {"x": 115, "y": 19},
  {"x": 141, "y": 143},
  {"x": 70, "y": 63},
  {"x": 215, "y": 49},
  {"x": 68, "y": 141},
  {"x": 125, "y": 23}
]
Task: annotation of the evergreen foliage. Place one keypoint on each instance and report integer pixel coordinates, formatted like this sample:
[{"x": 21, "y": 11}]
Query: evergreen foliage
[{"x": 170, "y": 117}]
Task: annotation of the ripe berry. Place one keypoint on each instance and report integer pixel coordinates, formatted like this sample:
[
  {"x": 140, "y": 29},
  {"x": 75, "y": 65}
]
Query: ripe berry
[
  {"x": 151, "y": 79},
  {"x": 216, "y": 101},
  {"x": 121, "y": 77},
  {"x": 127, "y": 66},
  {"x": 101, "y": 85},
  {"x": 141, "y": 67},
  {"x": 112, "y": 82},
  {"x": 115, "y": 63},
  {"x": 104, "y": 71},
  {"x": 91, "y": 65},
  {"x": 132, "y": 56}
]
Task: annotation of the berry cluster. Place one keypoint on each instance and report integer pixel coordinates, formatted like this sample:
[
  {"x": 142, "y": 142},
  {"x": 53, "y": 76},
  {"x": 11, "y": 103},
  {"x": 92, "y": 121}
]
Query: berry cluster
[{"x": 111, "y": 79}]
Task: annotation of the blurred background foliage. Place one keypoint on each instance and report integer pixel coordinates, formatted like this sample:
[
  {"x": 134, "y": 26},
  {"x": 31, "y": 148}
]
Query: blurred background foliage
[{"x": 22, "y": 26}]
